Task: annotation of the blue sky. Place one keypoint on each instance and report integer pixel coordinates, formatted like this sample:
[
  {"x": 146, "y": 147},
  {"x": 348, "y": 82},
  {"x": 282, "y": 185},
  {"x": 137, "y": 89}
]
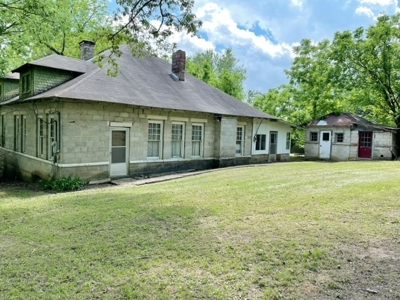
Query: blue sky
[{"x": 262, "y": 33}]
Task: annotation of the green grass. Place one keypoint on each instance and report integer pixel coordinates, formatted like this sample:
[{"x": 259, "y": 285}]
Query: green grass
[{"x": 281, "y": 231}]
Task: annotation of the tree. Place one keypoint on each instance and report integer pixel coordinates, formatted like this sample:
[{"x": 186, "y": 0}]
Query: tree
[
  {"x": 219, "y": 70},
  {"x": 146, "y": 25},
  {"x": 32, "y": 29},
  {"x": 367, "y": 61}
]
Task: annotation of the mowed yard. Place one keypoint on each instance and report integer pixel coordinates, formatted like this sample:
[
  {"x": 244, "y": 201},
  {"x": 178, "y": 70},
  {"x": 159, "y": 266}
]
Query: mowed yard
[{"x": 308, "y": 230}]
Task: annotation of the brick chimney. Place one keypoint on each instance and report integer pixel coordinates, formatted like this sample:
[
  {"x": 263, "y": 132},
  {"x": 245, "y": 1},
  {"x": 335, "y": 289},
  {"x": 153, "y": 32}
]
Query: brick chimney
[
  {"x": 87, "y": 49},
  {"x": 178, "y": 64}
]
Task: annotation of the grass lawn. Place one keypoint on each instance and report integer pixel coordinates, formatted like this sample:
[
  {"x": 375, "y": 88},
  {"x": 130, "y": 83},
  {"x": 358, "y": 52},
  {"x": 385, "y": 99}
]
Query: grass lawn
[{"x": 283, "y": 231}]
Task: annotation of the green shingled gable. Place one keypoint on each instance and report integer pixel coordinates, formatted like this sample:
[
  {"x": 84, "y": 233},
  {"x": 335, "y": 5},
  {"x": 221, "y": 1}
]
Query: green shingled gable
[
  {"x": 9, "y": 89},
  {"x": 46, "y": 78}
]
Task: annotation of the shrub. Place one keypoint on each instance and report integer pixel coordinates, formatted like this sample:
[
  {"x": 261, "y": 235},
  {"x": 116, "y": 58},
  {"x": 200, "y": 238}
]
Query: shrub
[{"x": 62, "y": 184}]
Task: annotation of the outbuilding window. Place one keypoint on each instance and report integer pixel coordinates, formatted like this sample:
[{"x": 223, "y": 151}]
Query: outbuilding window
[
  {"x": 339, "y": 137},
  {"x": 313, "y": 136}
]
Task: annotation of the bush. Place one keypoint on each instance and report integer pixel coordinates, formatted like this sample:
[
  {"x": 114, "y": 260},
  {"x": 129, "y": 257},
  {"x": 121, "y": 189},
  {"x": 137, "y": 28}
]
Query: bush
[{"x": 62, "y": 184}]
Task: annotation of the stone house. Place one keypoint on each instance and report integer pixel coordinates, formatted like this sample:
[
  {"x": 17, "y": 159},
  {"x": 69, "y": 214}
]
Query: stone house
[
  {"x": 345, "y": 136},
  {"x": 65, "y": 117}
]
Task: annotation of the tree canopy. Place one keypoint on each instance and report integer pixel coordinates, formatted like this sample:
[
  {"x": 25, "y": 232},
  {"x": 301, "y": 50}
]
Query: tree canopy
[
  {"x": 356, "y": 72},
  {"x": 30, "y": 29},
  {"x": 219, "y": 70}
]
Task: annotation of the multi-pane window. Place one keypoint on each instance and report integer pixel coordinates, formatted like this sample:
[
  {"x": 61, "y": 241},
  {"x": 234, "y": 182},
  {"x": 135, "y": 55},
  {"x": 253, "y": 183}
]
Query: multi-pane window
[
  {"x": 339, "y": 137},
  {"x": 366, "y": 139},
  {"x": 154, "y": 140},
  {"x": 23, "y": 134},
  {"x": 287, "y": 140},
  {"x": 261, "y": 142},
  {"x": 313, "y": 136},
  {"x": 3, "y": 131},
  {"x": 40, "y": 137},
  {"x": 239, "y": 140},
  {"x": 53, "y": 137},
  {"x": 17, "y": 133},
  {"x": 26, "y": 83},
  {"x": 177, "y": 140},
  {"x": 197, "y": 140}
]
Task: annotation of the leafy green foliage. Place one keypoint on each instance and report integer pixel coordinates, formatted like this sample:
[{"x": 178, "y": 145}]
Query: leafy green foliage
[
  {"x": 357, "y": 72},
  {"x": 367, "y": 61},
  {"x": 62, "y": 184},
  {"x": 219, "y": 70},
  {"x": 31, "y": 29}
]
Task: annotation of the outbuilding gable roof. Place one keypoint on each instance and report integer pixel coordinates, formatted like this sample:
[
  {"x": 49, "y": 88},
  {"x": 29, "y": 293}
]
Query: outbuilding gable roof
[{"x": 346, "y": 119}]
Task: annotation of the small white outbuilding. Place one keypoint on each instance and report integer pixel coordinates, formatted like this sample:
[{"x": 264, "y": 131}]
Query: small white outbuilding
[{"x": 345, "y": 136}]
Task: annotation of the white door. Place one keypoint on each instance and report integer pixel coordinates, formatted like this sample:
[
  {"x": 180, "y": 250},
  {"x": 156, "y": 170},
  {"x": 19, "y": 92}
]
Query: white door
[
  {"x": 273, "y": 143},
  {"x": 325, "y": 145},
  {"x": 119, "y": 152}
]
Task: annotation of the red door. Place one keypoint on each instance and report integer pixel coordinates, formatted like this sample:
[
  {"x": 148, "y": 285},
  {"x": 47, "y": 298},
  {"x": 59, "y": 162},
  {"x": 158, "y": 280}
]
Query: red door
[{"x": 365, "y": 144}]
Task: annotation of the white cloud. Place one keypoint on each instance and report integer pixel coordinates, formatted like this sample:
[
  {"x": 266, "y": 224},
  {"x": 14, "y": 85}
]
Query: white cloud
[
  {"x": 379, "y": 2},
  {"x": 221, "y": 29},
  {"x": 362, "y": 10},
  {"x": 298, "y": 3}
]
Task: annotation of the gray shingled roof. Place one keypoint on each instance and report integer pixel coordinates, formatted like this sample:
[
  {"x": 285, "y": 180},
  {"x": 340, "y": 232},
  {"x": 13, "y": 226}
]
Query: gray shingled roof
[
  {"x": 11, "y": 76},
  {"x": 60, "y": 62},
  {"x": 347, "y": 119},
  {"x": 143, "y": 82}
]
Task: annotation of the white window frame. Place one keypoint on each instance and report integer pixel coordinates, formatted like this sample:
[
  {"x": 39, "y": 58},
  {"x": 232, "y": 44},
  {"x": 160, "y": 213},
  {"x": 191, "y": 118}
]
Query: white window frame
[
  {"x": 17, "y": 133},
  {"x": 265, "y": 142},
  {"x": 182, "y": 141},
  {"x": 311, "y": 135},
  {"x": 23, "y": 133},
  {"x": 160, "y": 140},
  {"x": 52, "y": 136},
  {"x": 26, "y": 83},
  {"x": 41, "y": 144},
  {"x": 1, "y": 91},
  {"x": 288, "y": 140},
  {"x": 200, "y": 142},
  {"x": 3, "y": 131},
  {"x": 337, "y": 135},
  {"x": 240, "y": 141}
]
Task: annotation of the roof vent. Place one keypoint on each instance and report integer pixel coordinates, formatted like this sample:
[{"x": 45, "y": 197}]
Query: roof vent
[
  {"x": 179, "y": 64},
  {"x": 87, "y": 49}
]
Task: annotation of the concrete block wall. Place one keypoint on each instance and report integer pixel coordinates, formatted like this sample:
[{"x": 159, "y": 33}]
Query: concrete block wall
[
  {"x": 85, "y": 132},
  {"x": 227, "y": 138},
  {"x": 341, "y": 150},
  {"x": 382, "y": 144}
]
